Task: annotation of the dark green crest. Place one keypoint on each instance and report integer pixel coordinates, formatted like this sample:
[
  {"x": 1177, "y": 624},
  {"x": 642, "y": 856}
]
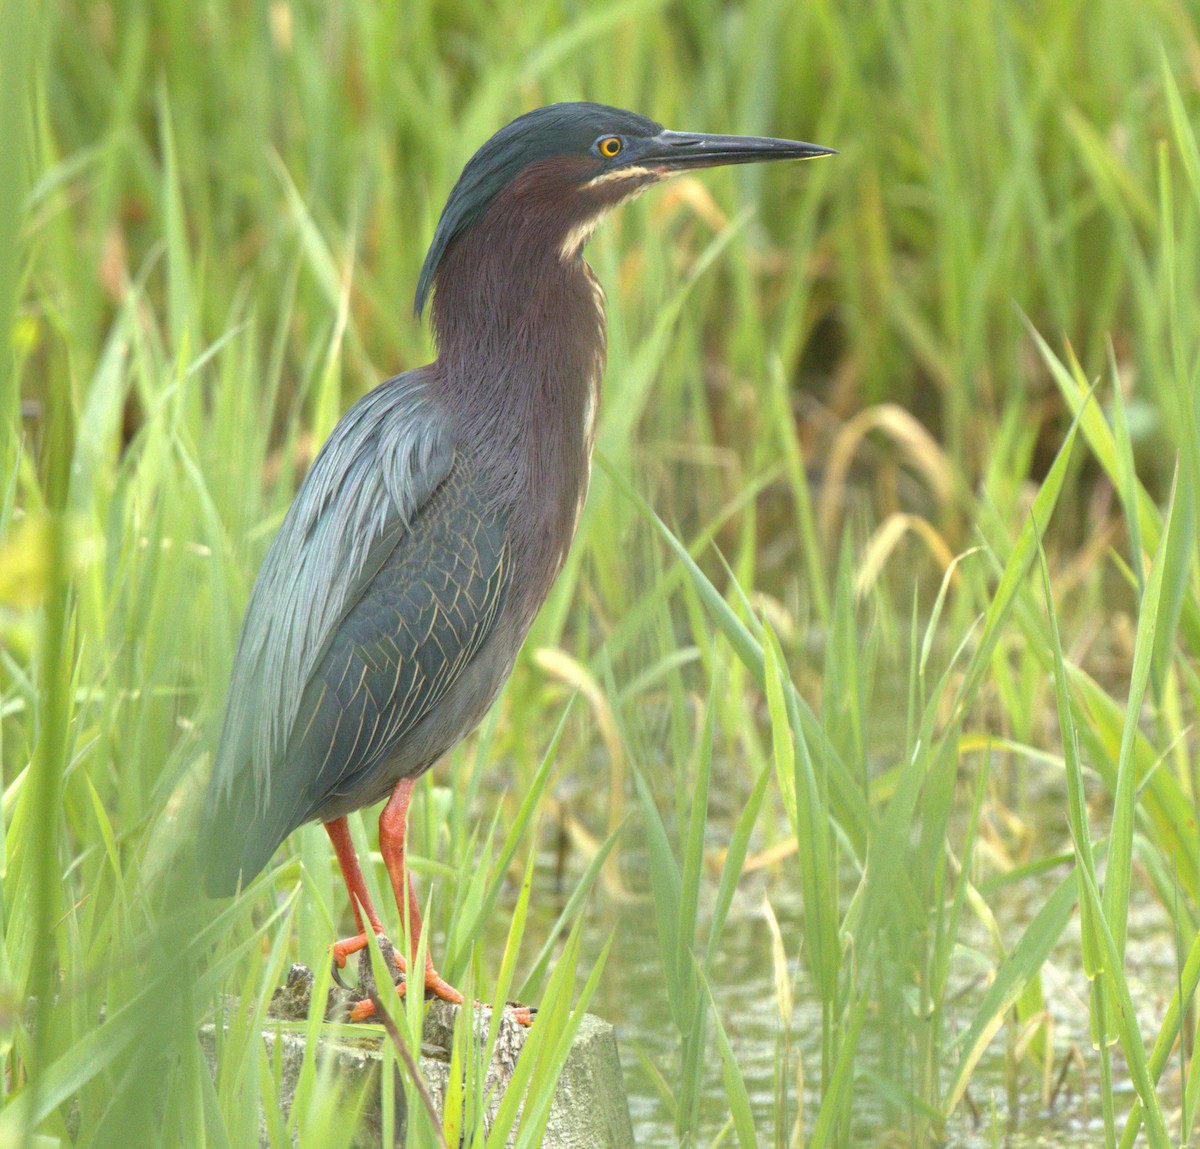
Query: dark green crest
[{"x": 545, "y": 133}]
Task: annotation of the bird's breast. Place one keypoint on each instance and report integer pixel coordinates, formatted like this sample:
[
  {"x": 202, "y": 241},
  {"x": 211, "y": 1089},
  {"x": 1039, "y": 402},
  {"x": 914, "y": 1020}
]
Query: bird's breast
[
  {"x": 543, "y": 526},
  {"x": 523, "y": 393}
]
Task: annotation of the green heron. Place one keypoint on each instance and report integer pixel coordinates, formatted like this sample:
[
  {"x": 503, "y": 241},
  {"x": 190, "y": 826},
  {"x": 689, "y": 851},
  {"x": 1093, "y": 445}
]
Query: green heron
[{"x": 427, "y": 533}]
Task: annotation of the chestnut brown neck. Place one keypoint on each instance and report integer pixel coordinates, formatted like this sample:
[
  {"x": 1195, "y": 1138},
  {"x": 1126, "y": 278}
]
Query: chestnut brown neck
[{"x": 521, "y": 337}]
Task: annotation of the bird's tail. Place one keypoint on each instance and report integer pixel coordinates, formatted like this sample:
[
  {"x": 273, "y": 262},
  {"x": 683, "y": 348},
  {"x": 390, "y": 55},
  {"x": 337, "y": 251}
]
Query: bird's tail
[{"x": 235, "y": 840}]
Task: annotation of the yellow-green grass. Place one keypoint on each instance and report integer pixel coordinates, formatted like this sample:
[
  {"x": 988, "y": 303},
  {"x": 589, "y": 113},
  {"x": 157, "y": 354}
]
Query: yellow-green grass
[{"x": 919, "y": 426}]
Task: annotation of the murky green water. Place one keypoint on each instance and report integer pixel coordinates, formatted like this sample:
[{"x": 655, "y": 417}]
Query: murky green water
[{"x": 631, "y": 997}]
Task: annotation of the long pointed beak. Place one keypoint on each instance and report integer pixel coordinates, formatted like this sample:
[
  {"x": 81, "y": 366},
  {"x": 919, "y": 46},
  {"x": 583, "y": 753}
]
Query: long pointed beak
[{"x": 680, "y": 151}]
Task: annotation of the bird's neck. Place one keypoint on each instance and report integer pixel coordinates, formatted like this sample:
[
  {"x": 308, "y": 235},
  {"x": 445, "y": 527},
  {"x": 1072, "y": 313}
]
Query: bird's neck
[{"x": 521, "y": 338}]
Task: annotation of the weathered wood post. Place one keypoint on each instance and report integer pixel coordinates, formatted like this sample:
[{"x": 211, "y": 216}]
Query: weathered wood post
[{"x": 589, "y": 1110}]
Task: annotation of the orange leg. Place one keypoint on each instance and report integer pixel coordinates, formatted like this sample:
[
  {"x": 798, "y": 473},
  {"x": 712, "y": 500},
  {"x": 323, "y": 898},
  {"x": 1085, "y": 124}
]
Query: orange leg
[
  {"x": 393, "y": 825},
  {"x": 360, "y": 900}
]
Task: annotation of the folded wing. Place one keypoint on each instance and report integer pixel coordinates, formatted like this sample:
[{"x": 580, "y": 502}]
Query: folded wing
[{"x": 384, "y": 580}]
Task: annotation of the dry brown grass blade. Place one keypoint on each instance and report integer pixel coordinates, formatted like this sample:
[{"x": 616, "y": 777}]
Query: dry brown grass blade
[
  {"x": 919, "y": 448},
  {"x": 887, "y": 537},
  {"x": 560, "y": 665}
]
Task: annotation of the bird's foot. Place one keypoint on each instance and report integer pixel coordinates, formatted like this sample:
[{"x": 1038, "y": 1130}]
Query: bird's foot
[
  {"x": 366, "y": 976},
  {"x": 361, "y": 1010},
  {"x": 436, "y": 986},
  {"x": 524, "y": 1014},
  {"x": 347, "y": 947}
]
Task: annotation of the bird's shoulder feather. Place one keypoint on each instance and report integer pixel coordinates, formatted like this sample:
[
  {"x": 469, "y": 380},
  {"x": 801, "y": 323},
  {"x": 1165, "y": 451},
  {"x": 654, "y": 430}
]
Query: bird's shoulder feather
[{"x": 386, "y": 457}]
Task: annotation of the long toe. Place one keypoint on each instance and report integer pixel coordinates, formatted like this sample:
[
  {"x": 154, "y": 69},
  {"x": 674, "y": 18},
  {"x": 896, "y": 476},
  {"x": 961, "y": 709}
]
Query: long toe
[
  {"x": 347, "y": 947},
  {"x": 434, "y": 984},
  {"x": 524, "y": 1014},
  {"x": 361, "y": 1010}
]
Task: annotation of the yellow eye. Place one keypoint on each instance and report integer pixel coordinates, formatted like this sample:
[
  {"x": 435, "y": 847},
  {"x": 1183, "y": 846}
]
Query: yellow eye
[{"x": 610, "y": 146}]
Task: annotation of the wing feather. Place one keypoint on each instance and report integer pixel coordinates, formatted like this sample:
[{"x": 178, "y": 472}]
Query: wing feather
[{"x": 357, "y": 504}]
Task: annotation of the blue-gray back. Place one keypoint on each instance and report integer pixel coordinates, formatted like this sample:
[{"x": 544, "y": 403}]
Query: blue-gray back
[{"x": 356, "y": 506}]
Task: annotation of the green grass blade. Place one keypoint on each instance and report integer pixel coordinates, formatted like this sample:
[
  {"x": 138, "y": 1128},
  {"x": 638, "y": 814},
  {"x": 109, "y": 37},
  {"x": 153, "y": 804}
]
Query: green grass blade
[
  {"x": 736, "y": 1096},
  {"x": 837, "y": 1096},
  {"x": 809, "y": 816},
  {"x": 1118, "y": 875},
  {"x": 1168, "y": 1034},
  {"x": 574, "y": 903},
  {"x": 1077, "y": 814},
  {"x": 1126, "y": 1020},
  {"x": 735, "y": 858},
  {"x": 1017, "y": 566},
  {"x": 1023, "y": 963},
  {"x": 468, "y": 931}
]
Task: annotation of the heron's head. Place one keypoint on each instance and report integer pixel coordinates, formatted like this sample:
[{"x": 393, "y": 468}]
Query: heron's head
[{"x": 560, "y": 169}]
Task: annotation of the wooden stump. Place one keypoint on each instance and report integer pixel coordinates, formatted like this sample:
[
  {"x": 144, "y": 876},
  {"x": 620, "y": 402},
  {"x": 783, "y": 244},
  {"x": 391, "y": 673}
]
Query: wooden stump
[{"x": 589, "y": 1108}]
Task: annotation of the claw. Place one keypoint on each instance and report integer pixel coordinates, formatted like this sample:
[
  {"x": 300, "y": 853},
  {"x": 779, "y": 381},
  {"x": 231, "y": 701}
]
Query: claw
[
  {"x": 337, "y": 977},
  {"x": 524, "y": 1014},
  {"x": 347, "y": 947}
]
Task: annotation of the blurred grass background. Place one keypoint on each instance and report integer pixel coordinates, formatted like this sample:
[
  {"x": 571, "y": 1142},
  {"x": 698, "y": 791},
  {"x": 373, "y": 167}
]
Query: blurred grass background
[{"x": 974, "y": 333}]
